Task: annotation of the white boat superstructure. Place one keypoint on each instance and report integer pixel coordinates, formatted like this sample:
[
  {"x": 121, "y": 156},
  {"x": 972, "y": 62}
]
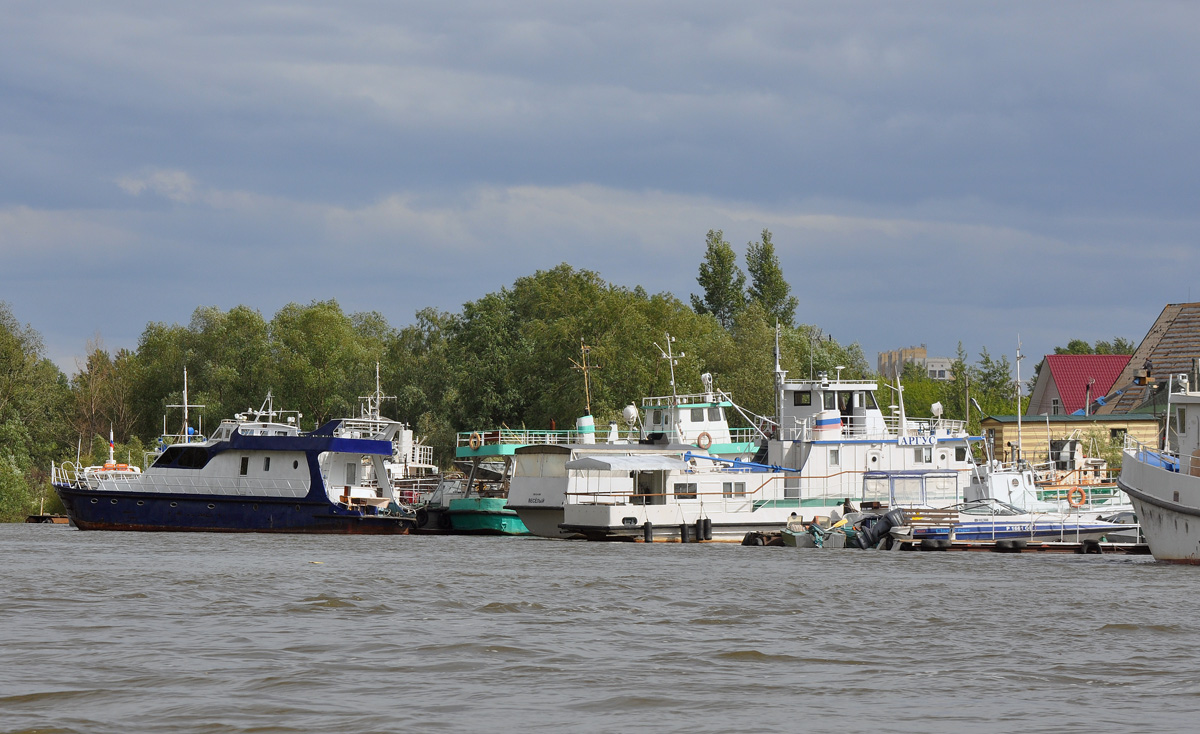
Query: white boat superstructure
[
  {"x": 1164, "y": 484},
  {"x": 830, "y": 443}
]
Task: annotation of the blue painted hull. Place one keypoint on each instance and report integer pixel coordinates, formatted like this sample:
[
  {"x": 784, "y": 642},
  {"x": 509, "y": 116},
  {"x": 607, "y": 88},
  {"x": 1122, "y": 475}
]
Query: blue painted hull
[{"x": 99, "y": 510}]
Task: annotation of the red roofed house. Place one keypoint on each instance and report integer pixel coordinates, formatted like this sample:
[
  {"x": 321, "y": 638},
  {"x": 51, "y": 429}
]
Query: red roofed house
[{"x": 1068, "y": 382}]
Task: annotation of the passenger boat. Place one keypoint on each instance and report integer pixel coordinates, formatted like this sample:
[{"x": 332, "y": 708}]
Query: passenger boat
[
  {"x": 1164, "y": 485},
  {"x": 829, "y": 442},
  {"x": 256, "y": 473}
]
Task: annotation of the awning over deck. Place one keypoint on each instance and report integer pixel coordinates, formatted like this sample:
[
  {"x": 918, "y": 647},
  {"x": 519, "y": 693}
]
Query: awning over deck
[{"x": 627, "y": 463}]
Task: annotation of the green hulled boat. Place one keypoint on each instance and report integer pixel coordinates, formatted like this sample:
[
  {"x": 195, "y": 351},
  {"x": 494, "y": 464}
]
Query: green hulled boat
[{"x": 484, "y": 516}]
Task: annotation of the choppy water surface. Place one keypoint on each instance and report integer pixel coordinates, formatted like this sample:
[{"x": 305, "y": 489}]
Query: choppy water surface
[{"x": 129, "y": 632}]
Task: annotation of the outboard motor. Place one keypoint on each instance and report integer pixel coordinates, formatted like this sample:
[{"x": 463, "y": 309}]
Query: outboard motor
[{"x": 872, "y": 529}]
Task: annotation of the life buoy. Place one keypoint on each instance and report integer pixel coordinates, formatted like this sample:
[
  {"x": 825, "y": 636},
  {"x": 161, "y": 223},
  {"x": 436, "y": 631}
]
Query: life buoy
[
  {"x": 704, "y": 440},
  {"x": 1076, "y": 497},
  {"x": 476, "y": 441}
]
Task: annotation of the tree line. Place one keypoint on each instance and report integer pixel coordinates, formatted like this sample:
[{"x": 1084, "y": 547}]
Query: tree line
[{"x": 503, "y": 360}]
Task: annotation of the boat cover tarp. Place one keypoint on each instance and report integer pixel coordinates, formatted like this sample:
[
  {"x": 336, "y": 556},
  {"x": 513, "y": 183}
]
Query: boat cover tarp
[{"x": 628, "y": 463}]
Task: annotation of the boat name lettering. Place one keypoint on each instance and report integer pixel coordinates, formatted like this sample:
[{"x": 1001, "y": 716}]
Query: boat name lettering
[{"x": 916, "y": 441}]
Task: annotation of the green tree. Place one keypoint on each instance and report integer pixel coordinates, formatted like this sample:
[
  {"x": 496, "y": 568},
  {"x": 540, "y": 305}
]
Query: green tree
[
  {"x": 767, "y": 286},
  {"x": 34, "y": 403},
  {"x": 722, "y": 281}
]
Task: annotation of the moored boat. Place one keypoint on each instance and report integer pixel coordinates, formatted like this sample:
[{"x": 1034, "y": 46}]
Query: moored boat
[
  {"x": 256, "y": 473},
  {"x": 1164, "y": 485}
]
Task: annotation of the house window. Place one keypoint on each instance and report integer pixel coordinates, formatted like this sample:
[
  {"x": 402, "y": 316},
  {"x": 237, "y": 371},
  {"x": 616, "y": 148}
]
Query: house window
[
  {"x": 734, "y": 489},
  {"x": 685, "y": 491},
  {"x": 802, "y": 397},
  {"x": 245, "y": 465},
  {"x": 697, "y": 415},
  {"x": 933, "y": 374},
  {"x": 1116, "y": 436},
  {"x": 923, "y": 454},
  {"x": 1055, "y": 406},
  {"x": 834, "y": 457},
  {"x": 941, "y": 374}
]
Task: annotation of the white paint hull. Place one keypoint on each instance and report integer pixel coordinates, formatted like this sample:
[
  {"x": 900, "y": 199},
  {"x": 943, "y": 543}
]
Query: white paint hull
[
  {"x": 1167, "y": 504},
  {"x": 543, "y": 521}
]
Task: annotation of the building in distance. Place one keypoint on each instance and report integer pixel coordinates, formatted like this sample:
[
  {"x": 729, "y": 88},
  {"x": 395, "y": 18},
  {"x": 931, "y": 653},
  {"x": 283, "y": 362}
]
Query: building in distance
[{"x": 891, "y": 364}]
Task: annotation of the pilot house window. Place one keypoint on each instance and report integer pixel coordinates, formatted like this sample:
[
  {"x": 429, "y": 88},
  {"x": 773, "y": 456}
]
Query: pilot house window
[
  {"x": 802, "y": 397},
  {"x": 697, "y": 415}
]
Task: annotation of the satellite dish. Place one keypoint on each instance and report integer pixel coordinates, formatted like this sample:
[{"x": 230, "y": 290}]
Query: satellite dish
[{"x": 936, "y": 408}]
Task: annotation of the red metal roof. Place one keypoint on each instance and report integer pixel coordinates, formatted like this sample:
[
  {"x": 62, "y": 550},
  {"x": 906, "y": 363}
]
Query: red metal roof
[{"x": 1071, "y": 373}]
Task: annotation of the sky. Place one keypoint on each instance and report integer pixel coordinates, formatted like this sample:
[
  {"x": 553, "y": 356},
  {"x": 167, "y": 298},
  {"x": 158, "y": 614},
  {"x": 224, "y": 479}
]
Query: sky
[{"x": 931, "y": 172}]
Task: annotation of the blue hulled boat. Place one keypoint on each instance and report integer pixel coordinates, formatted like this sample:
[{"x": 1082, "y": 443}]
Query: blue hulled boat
[{"x": 254, "y": 474}]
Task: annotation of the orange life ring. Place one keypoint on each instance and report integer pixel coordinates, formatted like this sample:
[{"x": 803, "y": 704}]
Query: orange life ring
[
  {"x": 1076, "y": 497},
  {"x": 476, "y": 441},
  {"x": 704, "y": 440}
]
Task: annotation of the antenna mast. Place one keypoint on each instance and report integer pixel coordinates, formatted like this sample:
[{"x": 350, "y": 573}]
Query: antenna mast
[
  {"x": 582, "y": 365},
  {"x": 672, "y": 361}
]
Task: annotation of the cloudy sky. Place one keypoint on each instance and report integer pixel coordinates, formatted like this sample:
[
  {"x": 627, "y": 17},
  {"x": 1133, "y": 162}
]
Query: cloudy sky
[{"x": 932, "y": 172}]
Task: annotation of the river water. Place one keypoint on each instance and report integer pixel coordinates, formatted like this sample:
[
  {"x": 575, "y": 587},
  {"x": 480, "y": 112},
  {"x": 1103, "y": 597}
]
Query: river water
[{"x": 132, "y": 632}]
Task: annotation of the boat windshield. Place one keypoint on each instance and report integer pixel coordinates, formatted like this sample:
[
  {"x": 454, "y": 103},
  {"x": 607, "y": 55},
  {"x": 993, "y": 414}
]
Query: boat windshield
[{"x": 988, "y": 507}]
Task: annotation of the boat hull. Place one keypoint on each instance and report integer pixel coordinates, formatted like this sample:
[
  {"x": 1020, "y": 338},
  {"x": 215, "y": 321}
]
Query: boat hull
[
  {"x": 484, "y": 516},
  {"x": 1167, "y": 504},
  {"x": 544, "y": 522},
  {"x": 140, "y": 511}
]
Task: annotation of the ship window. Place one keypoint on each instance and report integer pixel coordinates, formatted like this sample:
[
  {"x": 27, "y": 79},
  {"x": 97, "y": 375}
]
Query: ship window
[
  {"x": 351, "y": 474},
  {"x": 960, "y": 453},
  {"x": 802, "y": 397},
  {"x": 734, "y": 489},
  {"x": 245, "y": 465},
  {"x": 697, "y": 415},
  {"x": 1182, "y": 417},
  {"x": 169, "y": 456},
  {"x": 685, "y": 491},
  {"x": 193, "y": 457},
  {"x": 829, "y": 400},
  {"x": 295, "y": 464},
  {"x": 657, "y": 417},
  {"x": 280, "y": 433},
  {"x": 714, "y": 414},
  {"x": 266, "y": 463},
  {"x": 834, "y": 458},
  {"x": 923, "y": 455}
]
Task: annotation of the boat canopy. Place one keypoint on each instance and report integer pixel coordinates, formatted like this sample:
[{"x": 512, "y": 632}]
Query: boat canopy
[{"x": 628, "y": 463}]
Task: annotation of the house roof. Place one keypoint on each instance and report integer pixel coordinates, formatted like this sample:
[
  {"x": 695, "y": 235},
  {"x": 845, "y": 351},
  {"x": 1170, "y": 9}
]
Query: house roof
[
  {"x": 1171, "y": 346},
  {"x": 1036, "y": 420},
  {"x": 1072, "y": 372}
]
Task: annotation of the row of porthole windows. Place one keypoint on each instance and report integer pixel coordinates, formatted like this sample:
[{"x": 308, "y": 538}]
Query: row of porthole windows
[{"x": 211, "y": 506}]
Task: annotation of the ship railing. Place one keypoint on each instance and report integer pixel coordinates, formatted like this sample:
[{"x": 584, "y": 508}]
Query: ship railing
[
  {"x": 670, "y": 401},
  {"x": 79, "y": 477},
  {"x": 1164, "y": 458},
  {"x": 855, "y": 427},
  {"x": 368, "y": 429}
]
